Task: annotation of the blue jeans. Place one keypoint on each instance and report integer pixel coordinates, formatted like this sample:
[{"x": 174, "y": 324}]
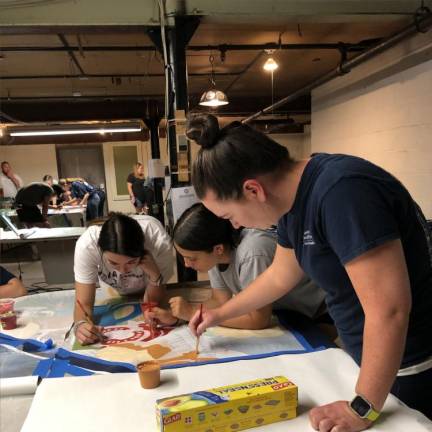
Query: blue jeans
[
  {"x": 95, "y": 205},
  {"x": 415, "y": 391}
]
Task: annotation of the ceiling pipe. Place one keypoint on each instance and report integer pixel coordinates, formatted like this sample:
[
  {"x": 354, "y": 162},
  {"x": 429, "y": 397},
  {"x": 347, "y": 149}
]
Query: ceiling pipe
[
  {"x": 224, "y": 47},
  {"x": 422, "y": 23},
  {"x": 112, "y": 75}
]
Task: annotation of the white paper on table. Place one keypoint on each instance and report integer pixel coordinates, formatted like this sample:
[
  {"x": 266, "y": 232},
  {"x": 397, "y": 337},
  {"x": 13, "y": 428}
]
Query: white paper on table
[
  {"x": 18, "y": 386},
  {"x": 97, "y": 403}
]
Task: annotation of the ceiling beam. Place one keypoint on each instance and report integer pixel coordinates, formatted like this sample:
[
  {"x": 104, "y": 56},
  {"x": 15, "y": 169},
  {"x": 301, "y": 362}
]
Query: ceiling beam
[
  {"x": 118, "y": 108},
  {"x": 84, "y": 13},
  {"x": 80, "y": 13}
]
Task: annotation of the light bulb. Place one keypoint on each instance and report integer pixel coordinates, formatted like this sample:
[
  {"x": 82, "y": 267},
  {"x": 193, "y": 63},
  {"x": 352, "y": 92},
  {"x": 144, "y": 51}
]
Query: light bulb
[{"x": 270, "y": 65}]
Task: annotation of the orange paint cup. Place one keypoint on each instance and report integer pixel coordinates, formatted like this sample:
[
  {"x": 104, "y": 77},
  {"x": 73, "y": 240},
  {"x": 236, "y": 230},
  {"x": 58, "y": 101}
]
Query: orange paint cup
[{"x": 149, "y": 374}]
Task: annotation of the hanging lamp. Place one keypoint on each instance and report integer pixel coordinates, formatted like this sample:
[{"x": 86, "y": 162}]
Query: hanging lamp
[{"x": 213, "y": 97}]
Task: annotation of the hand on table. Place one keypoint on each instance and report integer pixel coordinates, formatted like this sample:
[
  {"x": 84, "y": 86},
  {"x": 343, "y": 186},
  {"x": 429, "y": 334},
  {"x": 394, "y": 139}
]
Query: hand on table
[
  {"x": 210, "y": 318},
  {"x": 162, "y": 315},
  {"x": 180, "y": 308},
  {"x": 337, "y": 417},
  {"x": 88, "y": 333}
]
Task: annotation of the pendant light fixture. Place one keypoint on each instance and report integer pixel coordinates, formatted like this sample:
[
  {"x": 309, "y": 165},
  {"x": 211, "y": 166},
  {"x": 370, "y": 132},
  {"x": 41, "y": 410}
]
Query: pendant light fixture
[
  {"x": 270, "y": 65},
  {"x": 213, "y": 97}
]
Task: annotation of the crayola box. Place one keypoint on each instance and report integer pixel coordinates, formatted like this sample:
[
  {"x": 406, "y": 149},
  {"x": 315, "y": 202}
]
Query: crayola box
[{"x": 230, "y": 408}]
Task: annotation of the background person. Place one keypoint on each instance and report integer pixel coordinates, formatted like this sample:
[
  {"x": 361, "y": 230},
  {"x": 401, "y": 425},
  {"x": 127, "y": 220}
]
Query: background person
[
  {"x": 9, "y": 181},
  {"x": 356, "y": 231},
  {"x": 132, "y": 256},
  {"x": 91, "y": 195},
  {"x": 27, "y": 201},
  {"x": 233, "y": 259},
  {"x": 56, "y": 200},
  {"x": 136, "y": 185}
]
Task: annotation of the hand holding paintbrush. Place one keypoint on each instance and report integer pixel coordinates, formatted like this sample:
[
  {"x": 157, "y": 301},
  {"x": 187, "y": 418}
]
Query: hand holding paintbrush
[{"x": 95, "y": 331}]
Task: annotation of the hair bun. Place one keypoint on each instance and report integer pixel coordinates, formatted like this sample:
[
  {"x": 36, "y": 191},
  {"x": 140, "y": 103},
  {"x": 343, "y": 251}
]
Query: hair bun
[{"x": 203, "y": 129}]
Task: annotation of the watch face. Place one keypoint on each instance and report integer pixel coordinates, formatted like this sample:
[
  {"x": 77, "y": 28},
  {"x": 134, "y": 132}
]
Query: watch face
[{"x": 360, "y": 406}]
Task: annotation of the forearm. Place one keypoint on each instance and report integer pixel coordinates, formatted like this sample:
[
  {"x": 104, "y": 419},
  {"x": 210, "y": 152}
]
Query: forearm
[
  {"x": 129, "y": 186},
  {"x": 15, "y": 181},
  {"x": 257, "y": 295},
  {"x": 45, "y": 210},
  {"x": 188, "y": 312},
  {"x": 383, "y": 346},
  {"x": 14, "y": 288},
  {"x": 85, "y": 293},
  {"x": 85, "y": 199},
  {"x": 248, "y": 321}
]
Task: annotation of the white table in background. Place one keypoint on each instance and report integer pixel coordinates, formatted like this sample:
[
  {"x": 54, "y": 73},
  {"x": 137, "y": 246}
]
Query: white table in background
[
  {"x": 56, "y": 248},
  {"x": 72, "y": 215}
]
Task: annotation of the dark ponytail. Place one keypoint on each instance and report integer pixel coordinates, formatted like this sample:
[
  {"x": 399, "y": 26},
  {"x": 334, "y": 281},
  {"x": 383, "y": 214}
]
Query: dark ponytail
[
  {"x": 231, "y": 155},
  {"x": 122, "y": 235},
  {"x": 198, "y": 229}
]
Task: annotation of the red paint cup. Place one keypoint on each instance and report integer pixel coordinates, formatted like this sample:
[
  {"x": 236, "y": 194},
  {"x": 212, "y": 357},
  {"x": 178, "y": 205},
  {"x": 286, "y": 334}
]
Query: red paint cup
[
  {"x": 6, "y": 305},
  {"x": 8, "y": 320}
]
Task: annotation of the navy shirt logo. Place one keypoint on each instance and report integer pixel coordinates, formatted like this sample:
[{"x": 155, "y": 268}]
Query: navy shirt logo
[{"x": 308, "y": 239}]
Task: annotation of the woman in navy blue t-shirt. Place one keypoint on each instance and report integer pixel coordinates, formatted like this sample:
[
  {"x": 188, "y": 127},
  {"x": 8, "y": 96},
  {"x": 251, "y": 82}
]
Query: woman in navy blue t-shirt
[{"x": 356, "y": 231}]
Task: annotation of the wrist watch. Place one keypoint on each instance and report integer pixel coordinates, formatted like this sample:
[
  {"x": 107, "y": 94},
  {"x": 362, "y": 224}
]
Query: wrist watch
[{"x": 363, "y": 408}]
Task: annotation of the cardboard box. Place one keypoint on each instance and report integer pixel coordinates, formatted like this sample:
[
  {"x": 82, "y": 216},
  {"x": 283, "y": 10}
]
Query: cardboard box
[{"x": 230, "y": 408}]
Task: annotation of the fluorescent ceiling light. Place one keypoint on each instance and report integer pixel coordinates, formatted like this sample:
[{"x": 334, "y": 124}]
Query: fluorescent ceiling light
[{"x": 75, "y": 128}]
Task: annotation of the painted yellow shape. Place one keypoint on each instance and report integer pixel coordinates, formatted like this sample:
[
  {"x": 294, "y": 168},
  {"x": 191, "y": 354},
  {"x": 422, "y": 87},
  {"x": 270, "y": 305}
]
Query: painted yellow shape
[
  {"x": 123, "y": 312},
  {"x": 122, "y": 354}
]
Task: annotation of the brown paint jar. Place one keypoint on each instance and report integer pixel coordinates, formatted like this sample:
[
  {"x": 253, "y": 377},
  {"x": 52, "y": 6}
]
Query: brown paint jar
[{"x": 149, "y": 374}]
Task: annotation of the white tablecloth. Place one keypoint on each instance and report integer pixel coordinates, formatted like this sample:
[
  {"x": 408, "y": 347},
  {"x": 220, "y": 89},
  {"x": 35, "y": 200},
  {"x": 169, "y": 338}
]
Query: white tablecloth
[{"x": 117, "y": 402}]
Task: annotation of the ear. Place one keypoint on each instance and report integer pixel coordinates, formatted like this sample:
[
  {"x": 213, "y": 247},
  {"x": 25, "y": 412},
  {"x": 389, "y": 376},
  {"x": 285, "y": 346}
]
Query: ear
[
  {"x": 219, "y": 249},
  {"x": 253, "y": 190}
]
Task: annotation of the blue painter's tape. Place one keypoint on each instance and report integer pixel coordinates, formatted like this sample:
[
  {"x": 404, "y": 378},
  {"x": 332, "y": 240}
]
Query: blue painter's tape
[{"x": 28, "y": 345}]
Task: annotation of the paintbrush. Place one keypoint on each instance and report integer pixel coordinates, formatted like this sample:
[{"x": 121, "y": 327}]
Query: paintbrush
[
  {"x": 198, "y": 323},
  {"x": 151, "y": 321},
  {"x": 100, "y": 336}
]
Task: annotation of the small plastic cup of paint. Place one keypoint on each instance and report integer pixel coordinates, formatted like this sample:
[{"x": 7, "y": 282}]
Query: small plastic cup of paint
[
  {"x": 149, "y": 374},
  {"x": 8, "y": 320},
  {"x": 6, "y": 305}
]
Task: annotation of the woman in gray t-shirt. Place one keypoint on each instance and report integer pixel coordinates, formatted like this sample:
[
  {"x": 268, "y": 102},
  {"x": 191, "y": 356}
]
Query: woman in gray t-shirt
[{"x": 233, "y": 258}]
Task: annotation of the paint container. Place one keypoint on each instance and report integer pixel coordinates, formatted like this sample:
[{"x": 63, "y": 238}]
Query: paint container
[
  {"x": 149, "y": 374},
  {"x": 8, "y": 320},
  {"x": 6, "y": 305}
]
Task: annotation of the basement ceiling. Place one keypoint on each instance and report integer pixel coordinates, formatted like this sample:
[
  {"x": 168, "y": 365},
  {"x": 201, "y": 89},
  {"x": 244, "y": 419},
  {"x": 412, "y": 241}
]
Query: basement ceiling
[{"x": 109, "y": 72}]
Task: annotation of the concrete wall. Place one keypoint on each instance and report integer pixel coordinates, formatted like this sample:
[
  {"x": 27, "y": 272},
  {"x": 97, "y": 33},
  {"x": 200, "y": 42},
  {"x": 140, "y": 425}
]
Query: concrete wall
[{"x": 382, "y": 111}]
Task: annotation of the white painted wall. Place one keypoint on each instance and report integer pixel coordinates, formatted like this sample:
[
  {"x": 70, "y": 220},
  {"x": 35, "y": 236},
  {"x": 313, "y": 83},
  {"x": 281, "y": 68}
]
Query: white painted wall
[
  {"x": 31, "y": 162},
  {"x": 299, "y": 145},
  {"x": 382, "y": 111}
]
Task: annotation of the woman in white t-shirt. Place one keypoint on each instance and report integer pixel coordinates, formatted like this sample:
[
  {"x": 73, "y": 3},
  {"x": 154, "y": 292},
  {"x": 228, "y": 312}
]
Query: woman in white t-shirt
[{"x": 130, "y": 255}]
